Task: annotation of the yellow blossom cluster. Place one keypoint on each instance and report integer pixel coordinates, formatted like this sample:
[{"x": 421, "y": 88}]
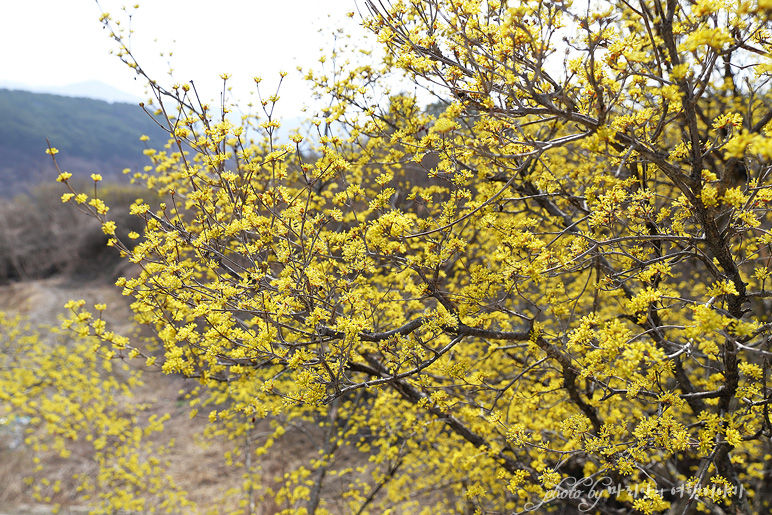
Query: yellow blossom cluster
[{"x": 546, "y": 275}]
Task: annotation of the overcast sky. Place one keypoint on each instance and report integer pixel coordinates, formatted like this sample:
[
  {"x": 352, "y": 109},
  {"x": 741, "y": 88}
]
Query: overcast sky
[{"x": 48, "y": 43}]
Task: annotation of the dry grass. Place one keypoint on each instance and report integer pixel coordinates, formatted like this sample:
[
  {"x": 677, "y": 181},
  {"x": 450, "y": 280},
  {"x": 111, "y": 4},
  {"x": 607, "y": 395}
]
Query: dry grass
[{"x": 41, "y": 237}]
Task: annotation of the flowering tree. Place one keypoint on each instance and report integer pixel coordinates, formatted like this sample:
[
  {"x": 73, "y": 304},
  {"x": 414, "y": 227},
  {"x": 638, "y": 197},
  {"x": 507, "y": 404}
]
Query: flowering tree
[
  {"x": 553, "y": 279},
  {"x": 63, "y": 400}
]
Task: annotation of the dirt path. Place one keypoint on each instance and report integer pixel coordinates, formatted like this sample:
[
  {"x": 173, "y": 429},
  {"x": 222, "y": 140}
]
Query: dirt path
[
  {"x": 42, "y": 301},
  {"x": 197, "y": 463},
  {"x": 200, "y": 469}
]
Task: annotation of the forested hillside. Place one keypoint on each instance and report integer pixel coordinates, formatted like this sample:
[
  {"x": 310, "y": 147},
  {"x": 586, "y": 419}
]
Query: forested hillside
[{"x": 91, "y": 135}]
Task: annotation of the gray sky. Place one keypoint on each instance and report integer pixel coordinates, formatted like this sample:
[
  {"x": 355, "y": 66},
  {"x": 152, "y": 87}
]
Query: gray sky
[{"x": 61, "y": 42}]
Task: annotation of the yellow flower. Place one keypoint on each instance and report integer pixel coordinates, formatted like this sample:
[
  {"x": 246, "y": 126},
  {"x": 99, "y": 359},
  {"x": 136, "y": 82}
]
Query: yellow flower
[
  {"x": 549, "y": 478},
  {"x": 723, "y": 287},
  {"x": 108, "y": 227},
  {"x": 443, "y": 126},
  {"x": 733, "y": 437},
  {"x": 733, "y": 119}
]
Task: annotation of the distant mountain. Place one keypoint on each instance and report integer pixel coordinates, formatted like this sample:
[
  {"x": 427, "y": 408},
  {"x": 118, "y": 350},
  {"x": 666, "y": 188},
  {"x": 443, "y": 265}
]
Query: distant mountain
[
  {"x": 96, "y": 90},
  {"x": 88, "y": 89},
  {"x": 93, "y": 136}
]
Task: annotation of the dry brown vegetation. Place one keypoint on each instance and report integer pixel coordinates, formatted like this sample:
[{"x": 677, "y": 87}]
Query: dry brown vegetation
[{"x": 41, "y": 237}]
